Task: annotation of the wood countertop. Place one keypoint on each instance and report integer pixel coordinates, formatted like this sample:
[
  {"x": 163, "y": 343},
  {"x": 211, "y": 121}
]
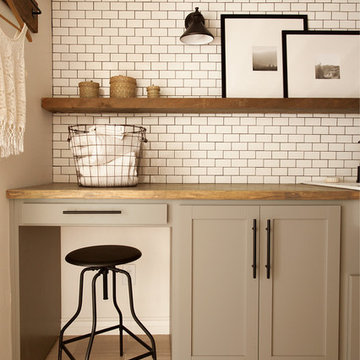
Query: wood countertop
[{"x": 185, "y": 192}]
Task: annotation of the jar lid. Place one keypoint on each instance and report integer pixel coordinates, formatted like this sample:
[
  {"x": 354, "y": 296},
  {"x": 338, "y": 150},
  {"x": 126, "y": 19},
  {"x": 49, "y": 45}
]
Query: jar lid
[
  {"x": 89, "y": 83},
  {"x": 153, "y": 87}
]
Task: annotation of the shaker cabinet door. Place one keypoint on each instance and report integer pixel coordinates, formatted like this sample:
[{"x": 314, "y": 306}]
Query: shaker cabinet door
[
  {"x": 224, "y": 292},
  {"x": 299, "y": 302},
  {"x": 224, "y": 305}
]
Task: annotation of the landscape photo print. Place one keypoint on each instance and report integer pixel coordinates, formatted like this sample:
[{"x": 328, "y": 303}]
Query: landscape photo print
[
  {"x": 327, "y": 67},
  {"x": 264, "y": 58}
]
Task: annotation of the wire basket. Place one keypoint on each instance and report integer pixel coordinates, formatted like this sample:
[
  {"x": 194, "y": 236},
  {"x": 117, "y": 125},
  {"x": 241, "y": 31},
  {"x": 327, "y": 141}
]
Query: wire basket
[{"x": 106, "y": 155}]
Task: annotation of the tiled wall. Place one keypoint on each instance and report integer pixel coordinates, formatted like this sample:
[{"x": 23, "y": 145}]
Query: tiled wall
[{"x": 94, "y": 40}]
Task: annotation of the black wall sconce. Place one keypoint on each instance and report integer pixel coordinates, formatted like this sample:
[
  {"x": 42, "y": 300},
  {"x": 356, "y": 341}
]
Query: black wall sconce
[{"x": 196, "y": 33}]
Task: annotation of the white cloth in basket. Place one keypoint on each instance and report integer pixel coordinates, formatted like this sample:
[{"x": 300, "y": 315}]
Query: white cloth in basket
[
  {"x": 102, "y": 144},
  {"x": 119, "y": 172}
]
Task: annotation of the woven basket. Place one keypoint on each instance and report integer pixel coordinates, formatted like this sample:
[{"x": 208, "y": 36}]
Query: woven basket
[
  {"x": 89, "y": 89},
  {"x": 122, "y": 86},
  {"x": 153, "y": 91}
]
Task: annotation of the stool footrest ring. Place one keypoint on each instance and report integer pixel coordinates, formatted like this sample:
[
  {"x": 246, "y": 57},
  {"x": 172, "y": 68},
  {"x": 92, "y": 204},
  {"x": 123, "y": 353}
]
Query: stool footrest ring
[
  {"x": 143, "y": 343},
  {"x": 81, "y": 337}
]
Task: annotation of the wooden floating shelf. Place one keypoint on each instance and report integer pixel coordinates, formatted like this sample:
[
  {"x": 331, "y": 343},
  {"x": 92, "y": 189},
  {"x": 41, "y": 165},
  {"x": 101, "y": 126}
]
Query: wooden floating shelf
[{"x": 202, "y": 105}]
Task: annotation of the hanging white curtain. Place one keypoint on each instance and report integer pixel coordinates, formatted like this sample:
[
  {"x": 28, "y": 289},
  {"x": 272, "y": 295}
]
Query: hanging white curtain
[{"x": 12, "y": 93}]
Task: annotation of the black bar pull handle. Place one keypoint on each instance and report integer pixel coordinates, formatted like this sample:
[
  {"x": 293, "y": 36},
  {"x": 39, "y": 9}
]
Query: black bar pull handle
[
  {"x": 90, "y": 212},
  {"x": 254, "y": 248},
  {"x": 268, "y": 229}
]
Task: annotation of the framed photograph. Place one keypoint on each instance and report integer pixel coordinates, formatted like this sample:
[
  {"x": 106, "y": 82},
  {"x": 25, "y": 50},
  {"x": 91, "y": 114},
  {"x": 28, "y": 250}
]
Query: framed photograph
[
  {"x": 251, "y": 53},
  {"x": 321, "y": 64}
]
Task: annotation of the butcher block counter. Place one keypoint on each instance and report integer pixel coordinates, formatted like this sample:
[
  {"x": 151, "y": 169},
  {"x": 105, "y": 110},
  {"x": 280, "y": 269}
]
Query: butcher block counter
[{"x": 185, "y": 192}]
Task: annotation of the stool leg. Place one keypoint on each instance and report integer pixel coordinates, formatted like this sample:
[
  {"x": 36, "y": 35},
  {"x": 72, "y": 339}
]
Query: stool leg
[
  {"x": 120, "y": 315},
  {"x": 105, "y": 284},
  {"x": 132, "y": 309},
  {"x": 61, "y": 336},
  {"x": 91, "y": 340}
]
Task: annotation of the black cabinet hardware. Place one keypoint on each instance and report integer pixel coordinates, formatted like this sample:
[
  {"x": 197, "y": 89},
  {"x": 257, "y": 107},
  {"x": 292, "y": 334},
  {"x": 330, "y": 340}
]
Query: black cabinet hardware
[
  {"x": 254, "y": 248},
  {"x": 91, "y": 212},
  {"x": 268, "y": 229}
]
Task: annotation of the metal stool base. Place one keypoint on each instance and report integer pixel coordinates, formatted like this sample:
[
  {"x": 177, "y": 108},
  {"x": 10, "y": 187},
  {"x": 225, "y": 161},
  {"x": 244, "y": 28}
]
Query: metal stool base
[{"x": 104, "y": 270}]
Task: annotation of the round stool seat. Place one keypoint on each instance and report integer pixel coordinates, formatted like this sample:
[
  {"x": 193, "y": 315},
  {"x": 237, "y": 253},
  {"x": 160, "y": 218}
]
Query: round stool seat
[{"x": 103, "y": 255}]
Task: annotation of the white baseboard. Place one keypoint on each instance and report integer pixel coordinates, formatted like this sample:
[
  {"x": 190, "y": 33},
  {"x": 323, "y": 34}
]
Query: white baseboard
[{"x": 156, "y": 326}]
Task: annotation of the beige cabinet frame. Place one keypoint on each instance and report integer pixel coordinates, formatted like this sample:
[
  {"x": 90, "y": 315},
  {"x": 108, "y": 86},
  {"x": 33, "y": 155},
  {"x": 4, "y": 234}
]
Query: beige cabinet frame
[{"x": 230, "y": 314}]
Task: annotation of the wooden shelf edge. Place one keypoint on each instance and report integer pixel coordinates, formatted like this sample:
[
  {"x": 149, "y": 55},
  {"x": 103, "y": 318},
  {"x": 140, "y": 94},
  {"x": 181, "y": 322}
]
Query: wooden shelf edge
[{"x": 202, "y": 105}]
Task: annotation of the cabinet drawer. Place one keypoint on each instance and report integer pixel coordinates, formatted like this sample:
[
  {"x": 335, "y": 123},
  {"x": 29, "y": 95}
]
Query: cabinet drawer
[{"x": 93, "y": 214}]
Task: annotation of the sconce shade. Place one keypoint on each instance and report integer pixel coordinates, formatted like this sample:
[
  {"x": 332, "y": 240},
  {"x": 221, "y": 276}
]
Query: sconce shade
[{"x": 196, "y": 33}]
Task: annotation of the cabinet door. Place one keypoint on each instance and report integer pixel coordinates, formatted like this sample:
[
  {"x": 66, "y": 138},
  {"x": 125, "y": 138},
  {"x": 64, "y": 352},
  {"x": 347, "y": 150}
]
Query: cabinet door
[
  {"x": 224, "y": 294},
  {"x": 299, "y": 303}
]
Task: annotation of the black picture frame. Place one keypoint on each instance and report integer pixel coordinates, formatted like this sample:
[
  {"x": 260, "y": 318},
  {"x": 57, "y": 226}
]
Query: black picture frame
[
  {"x": 329, "y": 45},
  {"x": 262, "y": 23}
]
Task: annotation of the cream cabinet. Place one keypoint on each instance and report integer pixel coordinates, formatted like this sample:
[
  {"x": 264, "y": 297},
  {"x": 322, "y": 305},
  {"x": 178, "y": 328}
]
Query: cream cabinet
[{"x": 258, "y": 282}]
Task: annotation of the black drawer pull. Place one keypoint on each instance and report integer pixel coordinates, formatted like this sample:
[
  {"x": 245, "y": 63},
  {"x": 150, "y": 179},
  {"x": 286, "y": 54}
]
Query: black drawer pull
[{"x": 91, "y": 212}]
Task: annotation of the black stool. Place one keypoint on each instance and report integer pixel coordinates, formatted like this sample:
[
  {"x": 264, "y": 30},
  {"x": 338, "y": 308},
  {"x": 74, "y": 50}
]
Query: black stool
[{"x": 103, "y": 259}]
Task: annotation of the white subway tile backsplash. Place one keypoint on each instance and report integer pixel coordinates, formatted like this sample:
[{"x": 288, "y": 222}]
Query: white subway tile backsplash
[{"x": 94, "y": 40}]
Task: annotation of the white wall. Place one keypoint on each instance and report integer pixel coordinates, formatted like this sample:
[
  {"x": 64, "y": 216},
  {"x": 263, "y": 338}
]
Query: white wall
[
  {"x": 34, "y": 165},
  {"x": 94, "y": 40}
]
